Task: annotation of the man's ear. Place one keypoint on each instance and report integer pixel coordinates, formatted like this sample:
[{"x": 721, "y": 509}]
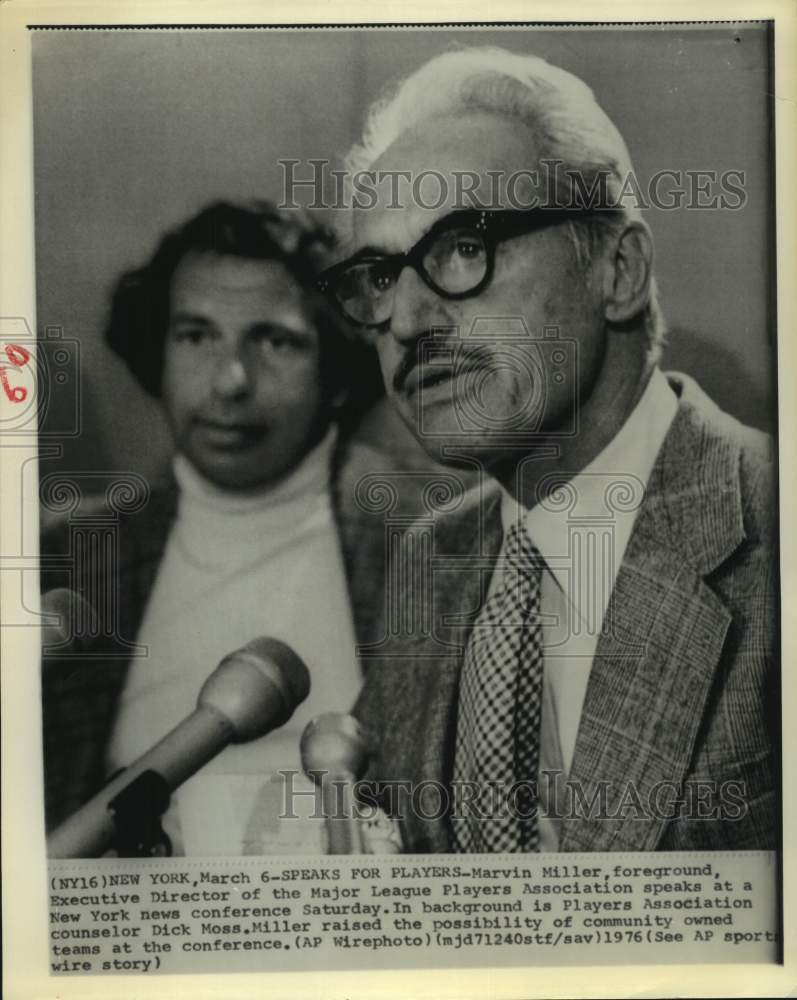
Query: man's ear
[{"x": 628, "y": 273}]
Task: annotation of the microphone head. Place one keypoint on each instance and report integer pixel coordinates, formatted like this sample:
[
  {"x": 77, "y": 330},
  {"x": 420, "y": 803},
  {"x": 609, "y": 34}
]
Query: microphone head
[
  {"x": 75, "y": 625},
  {"x": 334, "y": 743},
  {"x": 257, "y": 688}
]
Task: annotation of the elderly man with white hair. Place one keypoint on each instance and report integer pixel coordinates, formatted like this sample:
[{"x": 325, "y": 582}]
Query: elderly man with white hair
[{"x": 595, "y": 667}]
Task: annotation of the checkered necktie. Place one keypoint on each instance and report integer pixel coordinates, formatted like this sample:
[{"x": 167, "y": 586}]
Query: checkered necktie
[{"x": 500, "y": 707}]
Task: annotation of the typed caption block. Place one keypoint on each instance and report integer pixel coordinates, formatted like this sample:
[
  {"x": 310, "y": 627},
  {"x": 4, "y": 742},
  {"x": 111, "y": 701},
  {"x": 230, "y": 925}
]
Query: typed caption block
[{"x": 249, "y": 915}]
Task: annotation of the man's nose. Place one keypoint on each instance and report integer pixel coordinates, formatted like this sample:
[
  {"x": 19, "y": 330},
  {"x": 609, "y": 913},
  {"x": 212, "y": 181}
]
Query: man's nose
[
  {"x": 413, "y": 306},
  {"x": 231, "y": 379}
]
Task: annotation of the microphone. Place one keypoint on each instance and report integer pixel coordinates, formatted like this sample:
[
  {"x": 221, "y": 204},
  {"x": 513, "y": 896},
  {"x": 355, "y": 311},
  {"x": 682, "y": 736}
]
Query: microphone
[
  {"x": 334, "y": 755},
  {"x": 75, "y": 622},
  {"x": 252, "y": 691}
]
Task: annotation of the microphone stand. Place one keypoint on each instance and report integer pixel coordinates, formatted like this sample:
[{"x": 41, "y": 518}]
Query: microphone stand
[
  {"x": 137, "y": 812},
  {"x": 334, "y": 756},
  {"x": 342, "y": 825}
]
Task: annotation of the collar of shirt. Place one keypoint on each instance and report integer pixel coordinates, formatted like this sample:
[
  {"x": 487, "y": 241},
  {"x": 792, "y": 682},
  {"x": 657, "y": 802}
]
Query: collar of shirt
[{"x": 626, "y": 461}]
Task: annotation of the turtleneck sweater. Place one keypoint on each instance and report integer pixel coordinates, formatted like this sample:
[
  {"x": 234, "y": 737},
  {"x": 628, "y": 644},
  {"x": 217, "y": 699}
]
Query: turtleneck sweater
[{"x": 238, "y": 565}]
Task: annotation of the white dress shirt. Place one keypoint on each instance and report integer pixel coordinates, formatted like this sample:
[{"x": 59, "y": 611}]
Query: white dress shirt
[
  {"x": 582, "y": 531},
  {"x": 235, "y": 568}
]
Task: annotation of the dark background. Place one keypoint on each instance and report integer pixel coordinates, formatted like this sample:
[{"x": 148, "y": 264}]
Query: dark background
[{"x": 136, "y": 130}]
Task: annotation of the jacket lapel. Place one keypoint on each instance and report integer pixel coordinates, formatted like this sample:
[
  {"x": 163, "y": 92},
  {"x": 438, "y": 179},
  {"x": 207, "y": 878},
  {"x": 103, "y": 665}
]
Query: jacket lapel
[
  {"x": 648, "y": 686},
  {"x": 143, "y": 539},
  {"x": 362, "y": 539},
  {"x": 148, "y": 534},
  {"x": 661, "y": 641},
  {"x": 81, "y": 696}
]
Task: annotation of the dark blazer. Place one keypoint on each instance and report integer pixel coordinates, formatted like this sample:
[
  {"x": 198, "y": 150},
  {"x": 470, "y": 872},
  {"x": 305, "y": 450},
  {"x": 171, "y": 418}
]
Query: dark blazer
[
  {"x": 79, "y": 696},
  {"x": 684, "y": 685}
]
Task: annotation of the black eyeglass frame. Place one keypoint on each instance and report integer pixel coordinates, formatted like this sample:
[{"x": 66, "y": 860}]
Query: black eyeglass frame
[{"x": 496, "y": 225}]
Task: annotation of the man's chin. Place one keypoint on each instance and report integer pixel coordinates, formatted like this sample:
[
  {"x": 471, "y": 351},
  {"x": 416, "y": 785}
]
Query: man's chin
[
  {"x": 233, "y": 471},
  {"x": 451, "y": 445},
  {"x": 468, "y": 449},
  {"x": 442, "y": 433}
]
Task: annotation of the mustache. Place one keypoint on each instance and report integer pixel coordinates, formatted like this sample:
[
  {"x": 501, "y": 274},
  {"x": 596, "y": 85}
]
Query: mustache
[{"x": 465, "y": 358}]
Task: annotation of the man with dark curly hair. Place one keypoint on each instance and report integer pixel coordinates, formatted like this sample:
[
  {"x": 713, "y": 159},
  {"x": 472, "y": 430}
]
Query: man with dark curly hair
[{"x": 254, "y": 529}]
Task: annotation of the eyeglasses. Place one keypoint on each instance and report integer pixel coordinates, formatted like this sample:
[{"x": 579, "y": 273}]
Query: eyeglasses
[{"x": 456, "y": 259}]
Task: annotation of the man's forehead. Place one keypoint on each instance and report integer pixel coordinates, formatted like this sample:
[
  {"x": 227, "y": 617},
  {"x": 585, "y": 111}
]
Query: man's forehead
[
  {"x": 227, "y": 274},
  {"x": 442, "y": 165},
  {"x": 227, "y": 288}
]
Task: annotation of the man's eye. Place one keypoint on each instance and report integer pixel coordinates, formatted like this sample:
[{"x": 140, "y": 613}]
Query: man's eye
[
  {"x": 274, "y": 339},
  {"x": 381, "y": 278},
  {"x": 469, "y": 248},
  {"x": 193, "y": 335}
]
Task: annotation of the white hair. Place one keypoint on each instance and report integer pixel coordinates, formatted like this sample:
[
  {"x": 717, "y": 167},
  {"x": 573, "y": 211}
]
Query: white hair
[{"x": 567, "y": 124}]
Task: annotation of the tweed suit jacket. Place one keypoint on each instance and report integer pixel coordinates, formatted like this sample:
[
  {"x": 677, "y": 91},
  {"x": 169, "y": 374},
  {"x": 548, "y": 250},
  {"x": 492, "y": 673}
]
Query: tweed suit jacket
[
  {"x": 79, "y": 697},
  {"x": 683, "y": 690}
]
